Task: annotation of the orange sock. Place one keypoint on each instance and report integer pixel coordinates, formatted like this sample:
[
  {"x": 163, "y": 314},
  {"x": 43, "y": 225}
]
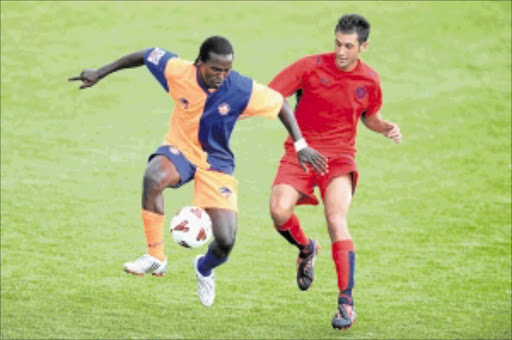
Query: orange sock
[{"x": 154, "y": 230}]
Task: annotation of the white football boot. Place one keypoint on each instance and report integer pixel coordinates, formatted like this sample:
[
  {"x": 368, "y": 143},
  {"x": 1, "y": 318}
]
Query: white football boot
[
  {"x": 205, "y": 285},
  {"x": 146, "y": 264}
]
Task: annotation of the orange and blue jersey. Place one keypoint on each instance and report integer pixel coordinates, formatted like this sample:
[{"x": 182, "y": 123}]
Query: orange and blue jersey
[{"x": 202, "y": 121}]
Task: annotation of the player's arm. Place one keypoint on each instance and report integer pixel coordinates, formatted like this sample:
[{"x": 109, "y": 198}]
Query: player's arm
[
  {"x": 305, "y": 154},
  {"x": 388, "y": 129},
  {"x": 91, "y": 76},
  {"x": 287, "y": 82}
]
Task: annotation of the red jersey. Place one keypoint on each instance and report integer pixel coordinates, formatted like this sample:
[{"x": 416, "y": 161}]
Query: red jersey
[{"x": 329, "y": 101}]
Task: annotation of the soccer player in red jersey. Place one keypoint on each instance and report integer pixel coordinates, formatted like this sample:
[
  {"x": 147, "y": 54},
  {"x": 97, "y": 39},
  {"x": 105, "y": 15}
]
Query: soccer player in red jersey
[
  {"x": 334, "y": 90},
  {"x": 209, "y": 99}
]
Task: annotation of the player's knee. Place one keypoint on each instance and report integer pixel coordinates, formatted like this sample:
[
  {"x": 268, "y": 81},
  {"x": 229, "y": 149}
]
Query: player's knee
[
  {"x": 280, "y": 211},
  {"x": 225, "y": 243},
  {"x": 337, "y": 227},
  {"x": 336, "y": 221},
  {"x": 156, "y": 179},
  {"x": 152, "y": 180},
  {"x": 226, "y": 246},
  {"x": 160, "y": 174}
]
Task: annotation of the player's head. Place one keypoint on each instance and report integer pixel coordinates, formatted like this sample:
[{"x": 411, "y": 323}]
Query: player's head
[
  {"x": 351, "y": 38},
  {"x": 215, "y": 60}
]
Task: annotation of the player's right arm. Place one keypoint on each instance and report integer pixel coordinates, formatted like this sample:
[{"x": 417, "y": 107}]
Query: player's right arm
[
  {"x": 91, "y": 76},
  {"x": 375, "y": 123},
  {"x": 289, "y": 80}
]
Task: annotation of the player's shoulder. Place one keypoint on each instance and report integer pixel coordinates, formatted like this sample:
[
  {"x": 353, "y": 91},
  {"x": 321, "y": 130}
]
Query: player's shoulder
[
  {"x": 178, "y": 63},
  {"x": 316, "y": 59},
  {"x": 155, "y": 54},
  {"x": 368, "y": 72},
  {"x": 239, "y": 82}
]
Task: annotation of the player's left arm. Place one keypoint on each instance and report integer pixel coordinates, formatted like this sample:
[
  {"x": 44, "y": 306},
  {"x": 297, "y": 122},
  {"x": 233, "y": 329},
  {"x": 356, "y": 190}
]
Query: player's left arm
[
  {"x": 375, "y": 123},
  {"x": 372, "y": 119}
]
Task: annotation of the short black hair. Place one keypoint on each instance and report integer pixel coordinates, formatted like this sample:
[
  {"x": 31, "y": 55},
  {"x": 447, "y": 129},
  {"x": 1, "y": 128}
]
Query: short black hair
[
  {"x": 215, "y": 44},
  {"x": 351, "y": 23}
]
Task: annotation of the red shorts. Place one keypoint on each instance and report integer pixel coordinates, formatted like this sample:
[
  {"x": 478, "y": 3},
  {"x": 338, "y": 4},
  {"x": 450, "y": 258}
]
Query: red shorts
[{"x": 290, "y": 172}]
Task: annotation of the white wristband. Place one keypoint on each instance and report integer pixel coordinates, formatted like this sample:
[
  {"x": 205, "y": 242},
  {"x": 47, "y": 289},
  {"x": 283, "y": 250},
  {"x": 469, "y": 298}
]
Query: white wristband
[{"x": 300, "y": 144}]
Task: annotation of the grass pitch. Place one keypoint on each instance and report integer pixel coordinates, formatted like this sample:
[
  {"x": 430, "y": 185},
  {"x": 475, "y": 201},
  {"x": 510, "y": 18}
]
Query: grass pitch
[{"x": 431, "y": 218}]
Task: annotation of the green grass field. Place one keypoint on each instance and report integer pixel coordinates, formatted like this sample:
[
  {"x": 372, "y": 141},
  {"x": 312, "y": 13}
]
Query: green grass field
[{"x": 431, "y": 218}]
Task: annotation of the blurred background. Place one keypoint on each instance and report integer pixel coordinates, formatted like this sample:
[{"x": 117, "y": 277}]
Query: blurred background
[{"x": 431, "y": 218}]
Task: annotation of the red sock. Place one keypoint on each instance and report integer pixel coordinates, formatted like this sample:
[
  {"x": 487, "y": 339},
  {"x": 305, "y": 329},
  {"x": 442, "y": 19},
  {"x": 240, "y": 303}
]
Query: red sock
[
  {"x": 293, "y": 233},
  {"x": 344, "y": 257}
]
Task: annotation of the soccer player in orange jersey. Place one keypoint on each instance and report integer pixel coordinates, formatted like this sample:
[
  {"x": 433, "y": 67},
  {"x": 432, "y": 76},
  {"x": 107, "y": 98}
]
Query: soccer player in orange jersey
[
  {"x": 209, "y": 99},
  {"x": 334, "y": 90}
]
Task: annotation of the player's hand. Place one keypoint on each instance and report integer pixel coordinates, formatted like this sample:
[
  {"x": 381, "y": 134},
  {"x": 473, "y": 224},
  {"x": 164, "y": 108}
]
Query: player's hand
[
  {"x": 88, "y": 77},
  {"x": 393, "y": 132},
  {"x": 317, "y": 161}
]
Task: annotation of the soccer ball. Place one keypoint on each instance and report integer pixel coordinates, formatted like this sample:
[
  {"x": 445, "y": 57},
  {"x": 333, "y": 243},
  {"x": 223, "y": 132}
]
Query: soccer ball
[{"x": 191, "y": 227}]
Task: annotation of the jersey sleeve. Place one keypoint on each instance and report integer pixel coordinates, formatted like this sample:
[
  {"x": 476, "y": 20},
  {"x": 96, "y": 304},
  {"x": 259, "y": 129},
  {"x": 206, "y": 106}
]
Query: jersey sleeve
[
  {"x": 264, "y": 102},
  {"x": 375, "y": 100},
  {"x": 289, "y": 80},
  {"x": 156, "y": 60}
]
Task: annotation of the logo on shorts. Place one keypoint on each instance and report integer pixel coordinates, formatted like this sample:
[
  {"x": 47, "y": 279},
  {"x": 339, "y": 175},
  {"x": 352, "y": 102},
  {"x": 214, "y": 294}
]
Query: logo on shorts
[
  {"x": 155, "y": 56},
  {"x": 226, "y": 192},
  {"x": 173, "y": 150},
  {"x": 361, "y": 92},
  {"x": 185, "y": 103},
  {"x": 224, "y": 109}
]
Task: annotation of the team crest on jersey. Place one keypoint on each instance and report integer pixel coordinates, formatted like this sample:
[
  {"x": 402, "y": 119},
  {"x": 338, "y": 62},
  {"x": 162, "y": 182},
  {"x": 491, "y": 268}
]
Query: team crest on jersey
[
  {"x": 224, "y": 109},
  {"x": 361, "y": 92},
  {"x": 226, "y": 192},
  {"x": 155, "y": 56}
]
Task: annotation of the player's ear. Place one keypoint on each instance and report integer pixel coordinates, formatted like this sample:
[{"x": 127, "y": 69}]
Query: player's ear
[{"x": 363, "y": 46}]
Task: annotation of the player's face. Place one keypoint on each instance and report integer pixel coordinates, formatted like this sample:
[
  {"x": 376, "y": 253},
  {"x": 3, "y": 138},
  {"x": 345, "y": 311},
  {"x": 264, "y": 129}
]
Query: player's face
[
  {"x": 347, "y": 49},
  {"x": 215, "y": 70}
]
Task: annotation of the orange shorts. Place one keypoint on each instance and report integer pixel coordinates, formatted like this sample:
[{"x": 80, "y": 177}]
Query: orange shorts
[{"x": 213, "y": 189}]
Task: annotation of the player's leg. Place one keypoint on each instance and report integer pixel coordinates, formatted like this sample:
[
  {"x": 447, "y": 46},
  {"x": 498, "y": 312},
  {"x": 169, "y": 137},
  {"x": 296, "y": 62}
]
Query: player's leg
[
  {"x": 283, "y": 200},
  {"x": 217, "y": 194},
  {"x": 160, "y": 173},
  {"x": 167, "y": 167},
  {"x": 224, "y": 225},
  {"x": 337, "y": 199},
  {"x": 293, "y": 186}
]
